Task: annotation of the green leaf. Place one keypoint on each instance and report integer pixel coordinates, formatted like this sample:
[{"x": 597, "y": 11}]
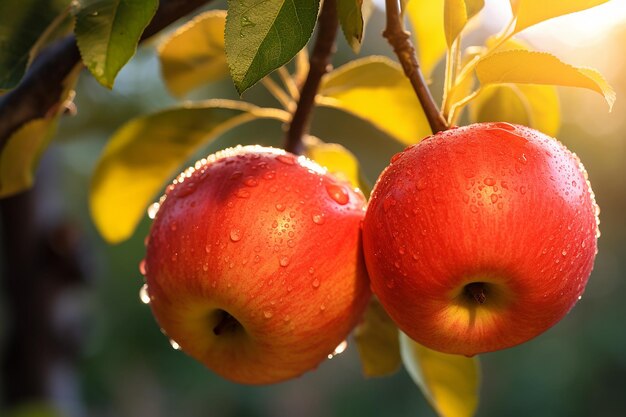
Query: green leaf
[
  {"x": 450, "y": 383},
  {"x": 377, "y": 342},
  {"x": 262, "y": 36},
  {"x": 375, "y": 89},
  {"x": 456, "y": 14},
  {"x": 144, "y": 153},
  {"x": 531, "y": 12},
  {"x": 194, "y": 54},
  {"x": 426, "y": 17},
  {"x": 353, "y": 16},
  {"x": 531, "y": 105},
  {"x": 338, "y": 160},
  {"x": 107, "y": 33},
  {"x": 527, "y": 67},
  {"x": 20, "y": 154},
  {"x": 22, "y": 23}
]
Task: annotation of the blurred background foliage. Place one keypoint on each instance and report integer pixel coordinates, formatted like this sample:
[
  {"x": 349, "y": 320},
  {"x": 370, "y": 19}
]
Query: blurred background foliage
[{"x": 128, "y": 368}]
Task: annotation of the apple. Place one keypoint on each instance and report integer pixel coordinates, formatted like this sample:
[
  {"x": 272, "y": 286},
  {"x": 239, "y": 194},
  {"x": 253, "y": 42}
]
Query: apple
[
  {"x": 254, "y": 264},
  {"x": 481, "y": 237}
]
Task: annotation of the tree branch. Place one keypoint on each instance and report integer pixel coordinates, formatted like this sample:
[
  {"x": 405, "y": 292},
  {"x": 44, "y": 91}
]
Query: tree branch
[
  {"x": 400, "y": 40},
  {"x": 319, "y": 65},
  {"x": 40, "y": 90}
]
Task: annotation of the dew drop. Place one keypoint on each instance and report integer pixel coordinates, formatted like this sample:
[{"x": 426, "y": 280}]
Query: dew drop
[
  {"x": 564, "y": 253},
  {"x": 338, "y": 194},
  {"x": 311, "y": 270},
  {"x": 286, "y": 159},
  {"x": 242, "y": 193},
  {"x": 322, "y": 307},
  {"x": 174, "y": 345},
  {"x": 144, "y": 296},
  {"x": 205, "y": 266},
  {"x": 316, "y": 283},
  {"x": 235, "y": 235},
  {"x": 142, "y": 267},
  {"x": 251, "y": 182},
  {"x": 284, "y": 261},
  {"x": 522, "y": 190},
  {"x": 267, "y": 314},
  {"x": 494, "y": 198},
  {"x": 490, "y": 181},
  {"x": 318, "y": 218},
  {"x": 153, "y": 209},
  {"x": 421, "y": 185},
  {"x": 341, "y": 347},
  {"x": 280, "y": 207}
]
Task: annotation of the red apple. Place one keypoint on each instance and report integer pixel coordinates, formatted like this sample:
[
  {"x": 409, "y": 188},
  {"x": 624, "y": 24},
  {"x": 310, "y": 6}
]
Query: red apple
[
  {"x": 254, "y": 264},
  {"x": 481, "y": 237}
]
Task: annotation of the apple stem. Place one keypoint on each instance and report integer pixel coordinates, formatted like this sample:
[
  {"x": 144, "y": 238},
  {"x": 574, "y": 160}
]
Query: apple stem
[
  {"x": 400, "y": 40},
  {"x": 476, "y": 290},
  {"x": 320, "y": 64}
]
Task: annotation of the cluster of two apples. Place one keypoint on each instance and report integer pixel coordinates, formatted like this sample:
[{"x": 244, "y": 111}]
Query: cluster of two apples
[{"x": 477, "y": 239}]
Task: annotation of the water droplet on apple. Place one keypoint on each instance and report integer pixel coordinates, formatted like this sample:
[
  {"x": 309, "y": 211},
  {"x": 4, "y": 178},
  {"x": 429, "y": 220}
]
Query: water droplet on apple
[
  {"x": 494, "y": 198},
  {"x": 142, "y": 267},
  {"x": 564, "y": 253},
  {"x": 311, "y": 270},
  {"x": 187, "y": 188},
  {"x": 318, "y": 217},
  {"x": 421, "y": 185},
  {"x": 280, "y": 207},
  {"x": 251, "y": 182},
  {"x": 522, "y": 190},
  {"x": 522, "y": 159},
  {"x": 174, "y": 345},
  {"x": 235, "y": 235},
  {"x": 267, "y": 314},
  {"x": 270, "y": 175},
  {"x": 174, "y": 257},
  {"x": 153, "y": 209},
  {"x": 338, "y": 194},
  {"x": 489, "y": 181},
  {"x": 316, "y": 283},
  {"x": 284, "y": 261},
  {"x": 205, "y": 266},
  {"x": 242, "y": 193},
  {"x": 144, "y": 296},
  {"x": 473, "y": 209},
  {"x": 322, "y": 307},
  {"x": 286, "y": 159},
  {"x": 341, "y": 347},
  {"x": 505, "y": 126}
]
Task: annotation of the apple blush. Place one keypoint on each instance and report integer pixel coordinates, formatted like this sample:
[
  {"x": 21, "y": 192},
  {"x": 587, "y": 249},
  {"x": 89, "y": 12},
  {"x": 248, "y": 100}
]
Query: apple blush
[
  {"x": 481, "y": 237},
  {"x": 254, "y": 264}
]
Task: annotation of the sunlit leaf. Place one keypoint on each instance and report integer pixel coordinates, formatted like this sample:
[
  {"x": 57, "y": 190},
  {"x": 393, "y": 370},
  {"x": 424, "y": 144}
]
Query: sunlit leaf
[
  {"x": 20, "y": 154},
  {"x": 194, "y": 54},
  {"x": 22, "y": 23},
  {"x": 531, "y": 12},
  {"x": 527, "y": 67},
  {"x": 262, "y": 36},
  {"x": 144, "y": 153},
  {"x": 376, "y": 89},
  {"x": 353, "y": 16},
  {"x": 107, "y": 33},
  {"x": 454, "y": 19},
  {"x": 531, "y": 105},
  {"x": 337, "y": 159},
  {"x": 377, "y": 341},
  {"x": 426, "y": 17},
  {"x": 450, "y": 383}
]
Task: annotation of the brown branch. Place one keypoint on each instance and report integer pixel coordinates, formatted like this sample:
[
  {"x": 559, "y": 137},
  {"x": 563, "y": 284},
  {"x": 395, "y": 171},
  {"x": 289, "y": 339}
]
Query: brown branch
[
  {"x": 400, "y": 40},
  {"x": 39, "y": 92},
  {"x": 320, "y": 64}
]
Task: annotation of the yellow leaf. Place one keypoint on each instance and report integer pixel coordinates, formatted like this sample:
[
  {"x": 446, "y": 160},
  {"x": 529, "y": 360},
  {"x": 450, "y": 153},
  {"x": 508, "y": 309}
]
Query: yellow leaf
[
  {"x": 194, "y": 54},
  {"x": 426, "y": 17},
  {"x": 377, "y": 341},
  {"x": 531, "y": 105},
  {"x": 375, "y": 89},
  {"x": 527, "y": 67},
  {"x": 531, "y": 12},
  {"x": 20, "y": 154},
  {"x": 337, "y": 159},
  {"x": 454, "y": 19},
  {"x": 144, "y": 153},
  {"x": 450, "y": 383}
]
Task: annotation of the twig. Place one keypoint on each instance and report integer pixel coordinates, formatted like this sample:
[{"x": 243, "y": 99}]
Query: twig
[
  {"x": 400, "y": 40},
  {"x": 39, "y": 91},
  {"x": 319, "y": 65}
]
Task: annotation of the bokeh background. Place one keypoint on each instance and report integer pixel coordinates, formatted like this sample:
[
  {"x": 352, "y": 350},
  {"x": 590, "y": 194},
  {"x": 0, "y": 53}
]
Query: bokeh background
[{"x": 115, "y": 362}]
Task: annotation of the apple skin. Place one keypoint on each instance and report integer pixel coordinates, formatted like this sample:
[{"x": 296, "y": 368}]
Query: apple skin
[
  {"x": 481, "y": 237},
  {"x": 271, "y": 240}
]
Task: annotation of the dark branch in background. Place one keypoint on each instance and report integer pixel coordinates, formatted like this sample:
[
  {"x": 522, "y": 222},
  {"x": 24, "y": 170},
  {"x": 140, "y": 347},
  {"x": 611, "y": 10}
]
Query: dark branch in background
[
  {"x": 319, "y": 65},
  {"x": 38, "y": 93},
  {"x": 400, "y": 40}
]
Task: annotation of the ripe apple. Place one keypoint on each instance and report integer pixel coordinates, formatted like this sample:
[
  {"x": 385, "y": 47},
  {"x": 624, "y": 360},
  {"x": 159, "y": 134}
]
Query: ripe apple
[
  {"x": 254, "y": 263},
  {"x": 480, "y": 237}
]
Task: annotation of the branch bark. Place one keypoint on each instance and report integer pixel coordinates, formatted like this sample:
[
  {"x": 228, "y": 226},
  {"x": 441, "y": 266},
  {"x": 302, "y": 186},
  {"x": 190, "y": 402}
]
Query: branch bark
[
  {"x": 320, "y": 63},
  {"x": 400, "y": 40},
  {"x": 38, "y": 93}
]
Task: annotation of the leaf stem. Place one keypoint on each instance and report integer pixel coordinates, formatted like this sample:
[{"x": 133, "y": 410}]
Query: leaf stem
[
  {"x": 279, "y": 94},
  {"x": 400, "y": 40},
  {"x": 289, "y": 82},
  {"x": 319, "y": 65}
]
